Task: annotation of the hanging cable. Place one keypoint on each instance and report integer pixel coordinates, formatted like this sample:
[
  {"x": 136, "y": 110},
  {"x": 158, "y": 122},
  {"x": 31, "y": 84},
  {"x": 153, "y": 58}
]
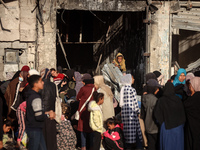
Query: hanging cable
[
  {"x": 62, "y": 17},
  {"x": 97, "y": 17}
]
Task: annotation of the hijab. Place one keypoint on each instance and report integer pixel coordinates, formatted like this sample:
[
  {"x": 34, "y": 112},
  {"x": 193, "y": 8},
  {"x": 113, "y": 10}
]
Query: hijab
[
  {"x": 150, "y": 76},
  {"x": 45, "y": 73},
  {"x": 195, "y": 82},
  {"x": 176, "y": 80},
  {"x": 125, "y": 80},
  {"x": 70, "y": 74},
  {"x": 169, "y": 108},
  {"x": 79, "y": 83},
  {"x": 99, "y": 81},
  {"x": 24, "y": 74},
  {"x": 189, "y": 76},
  {"x": 87, "y": 79}
]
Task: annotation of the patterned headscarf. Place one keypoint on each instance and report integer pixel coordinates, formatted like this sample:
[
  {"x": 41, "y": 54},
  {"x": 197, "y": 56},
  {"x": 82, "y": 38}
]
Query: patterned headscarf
[
  {"x": 195, "y": 82},
  {"x": 176, "y": 80},
  {"x": 126, "y": 79}
]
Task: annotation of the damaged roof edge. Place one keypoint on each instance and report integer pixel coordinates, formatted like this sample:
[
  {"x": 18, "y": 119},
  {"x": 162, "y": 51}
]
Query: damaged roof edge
[{"x": 104, "y": 6}]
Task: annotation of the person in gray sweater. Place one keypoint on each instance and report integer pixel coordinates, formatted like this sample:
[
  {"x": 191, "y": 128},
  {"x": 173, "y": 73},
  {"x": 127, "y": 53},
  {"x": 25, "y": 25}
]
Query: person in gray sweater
[{"x": 148, "y": 103}]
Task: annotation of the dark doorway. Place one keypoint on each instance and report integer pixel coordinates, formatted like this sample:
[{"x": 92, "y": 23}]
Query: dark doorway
[{"x": 88, "y": 34}]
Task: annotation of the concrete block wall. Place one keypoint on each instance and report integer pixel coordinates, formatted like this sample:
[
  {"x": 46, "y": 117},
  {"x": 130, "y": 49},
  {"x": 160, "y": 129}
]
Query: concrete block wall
[{"x": 19, "y": 32}]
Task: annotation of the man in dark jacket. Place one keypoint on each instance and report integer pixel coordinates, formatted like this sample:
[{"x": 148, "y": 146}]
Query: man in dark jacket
[
  {"x": 35, "y": 114},
  {"x": 49, "y": 98}
]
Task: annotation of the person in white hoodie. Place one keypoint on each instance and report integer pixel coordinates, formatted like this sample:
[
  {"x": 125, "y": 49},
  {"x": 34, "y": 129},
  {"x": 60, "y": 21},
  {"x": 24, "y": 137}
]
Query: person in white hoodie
[{"x": 96, "y": 118}]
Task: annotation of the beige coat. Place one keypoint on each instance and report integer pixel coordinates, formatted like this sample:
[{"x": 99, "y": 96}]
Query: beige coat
[{"x": 107, "y": 106}]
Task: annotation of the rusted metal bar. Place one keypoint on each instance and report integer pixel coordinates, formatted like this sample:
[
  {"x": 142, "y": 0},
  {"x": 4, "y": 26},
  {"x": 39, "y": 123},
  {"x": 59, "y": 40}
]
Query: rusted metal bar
[{"x": 62, "y": 47}]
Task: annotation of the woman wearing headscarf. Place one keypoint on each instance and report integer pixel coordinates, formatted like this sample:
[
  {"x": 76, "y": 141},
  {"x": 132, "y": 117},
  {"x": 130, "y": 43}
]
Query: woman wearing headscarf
[
  {"x": 170, "y": 114},
  {"x": 10, "y": 93},
  {"x": 119, "y": 61},
  {"x": 48, "y": 95},
  {"x": 83, "y": 122},
  {"x": 130, "y": 111},
  {"x": 179, "y": 83},
  {"x": 79, "y": 83},
  {"x": 189, "y": 76},
  {"x": 107, "y": 106},
  {"x": 19, "y": 94},
  {"x": 147, "y": 77},
  {"x": 192, "y": 105}
]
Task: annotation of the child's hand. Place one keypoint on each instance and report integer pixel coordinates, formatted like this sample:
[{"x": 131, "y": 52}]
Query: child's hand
[{"x": 63, "y": 83}]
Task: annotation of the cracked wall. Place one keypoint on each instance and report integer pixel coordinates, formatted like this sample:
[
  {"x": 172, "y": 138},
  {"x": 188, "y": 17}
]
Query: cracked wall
[{"x": 160, "y": 41}]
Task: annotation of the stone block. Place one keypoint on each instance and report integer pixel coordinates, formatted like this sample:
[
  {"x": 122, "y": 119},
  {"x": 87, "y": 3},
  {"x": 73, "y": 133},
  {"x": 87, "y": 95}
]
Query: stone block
[
  {"x": 9, "y": 36},
  {"x": 10, "y": 67},
  {"x": 27, "y": 35},
  {"x": 2, "y": 51},
  {"x": 13, "y": 10},
  {"x": 18, "y": 44},
  {"x": 2, "y": 11},
  {"x": 1, "y": 67},
  {"x": 25, "y": 3},
  {"x": 23, "y": 60},
  {"x": 28, "y": 23},
  {"x": 10, "y": 23},
  {"x": 5, "y": 44},
  {"x": 25, "y": 12}
]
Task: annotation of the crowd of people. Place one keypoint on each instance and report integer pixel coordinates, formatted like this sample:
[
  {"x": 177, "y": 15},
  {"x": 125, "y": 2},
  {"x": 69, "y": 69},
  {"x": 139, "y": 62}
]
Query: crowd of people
[{"x": 55, "y": 110}]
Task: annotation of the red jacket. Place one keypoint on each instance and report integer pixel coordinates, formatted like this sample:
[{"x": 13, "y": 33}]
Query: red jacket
[{"x": 84, "y": 93}]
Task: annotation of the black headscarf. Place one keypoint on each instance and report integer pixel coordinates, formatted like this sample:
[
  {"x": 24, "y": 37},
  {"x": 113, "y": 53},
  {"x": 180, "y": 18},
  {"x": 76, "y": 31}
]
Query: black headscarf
[
  {"x": 71, "y": 93},
  {"x": 70, "y": 74},
  {"x": 150, "y": 76},
  {"x": 157, "y": 73},
  {"x": 169, "y": 108}
]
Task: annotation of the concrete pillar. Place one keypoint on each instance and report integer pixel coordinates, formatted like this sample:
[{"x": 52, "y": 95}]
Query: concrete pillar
[
  {"x": 160, "y": 47},
  {"x": 46, "y": 48}
]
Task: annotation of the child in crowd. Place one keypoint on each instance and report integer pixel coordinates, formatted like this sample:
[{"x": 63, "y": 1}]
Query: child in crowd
[
  {"x": 21, "y": 113},
  {"x": 96, "y": 118},
  {"x": 148, "y": 103},
  {"x": 113, "y": 138},
  {"x": 35, "y": 114},
  {"x": 66, "y": 137},
  {"x": 8, "y": 139}
]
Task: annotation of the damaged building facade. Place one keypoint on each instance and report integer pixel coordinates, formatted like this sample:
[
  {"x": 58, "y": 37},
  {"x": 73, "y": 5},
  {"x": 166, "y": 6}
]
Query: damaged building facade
[{"x": 152, "y": 35}]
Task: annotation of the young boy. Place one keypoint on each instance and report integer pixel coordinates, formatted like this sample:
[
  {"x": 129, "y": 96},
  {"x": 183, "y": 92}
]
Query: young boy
[
  {"x": 148, "y": 103},
  {"x": 35, "y": 114}
]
